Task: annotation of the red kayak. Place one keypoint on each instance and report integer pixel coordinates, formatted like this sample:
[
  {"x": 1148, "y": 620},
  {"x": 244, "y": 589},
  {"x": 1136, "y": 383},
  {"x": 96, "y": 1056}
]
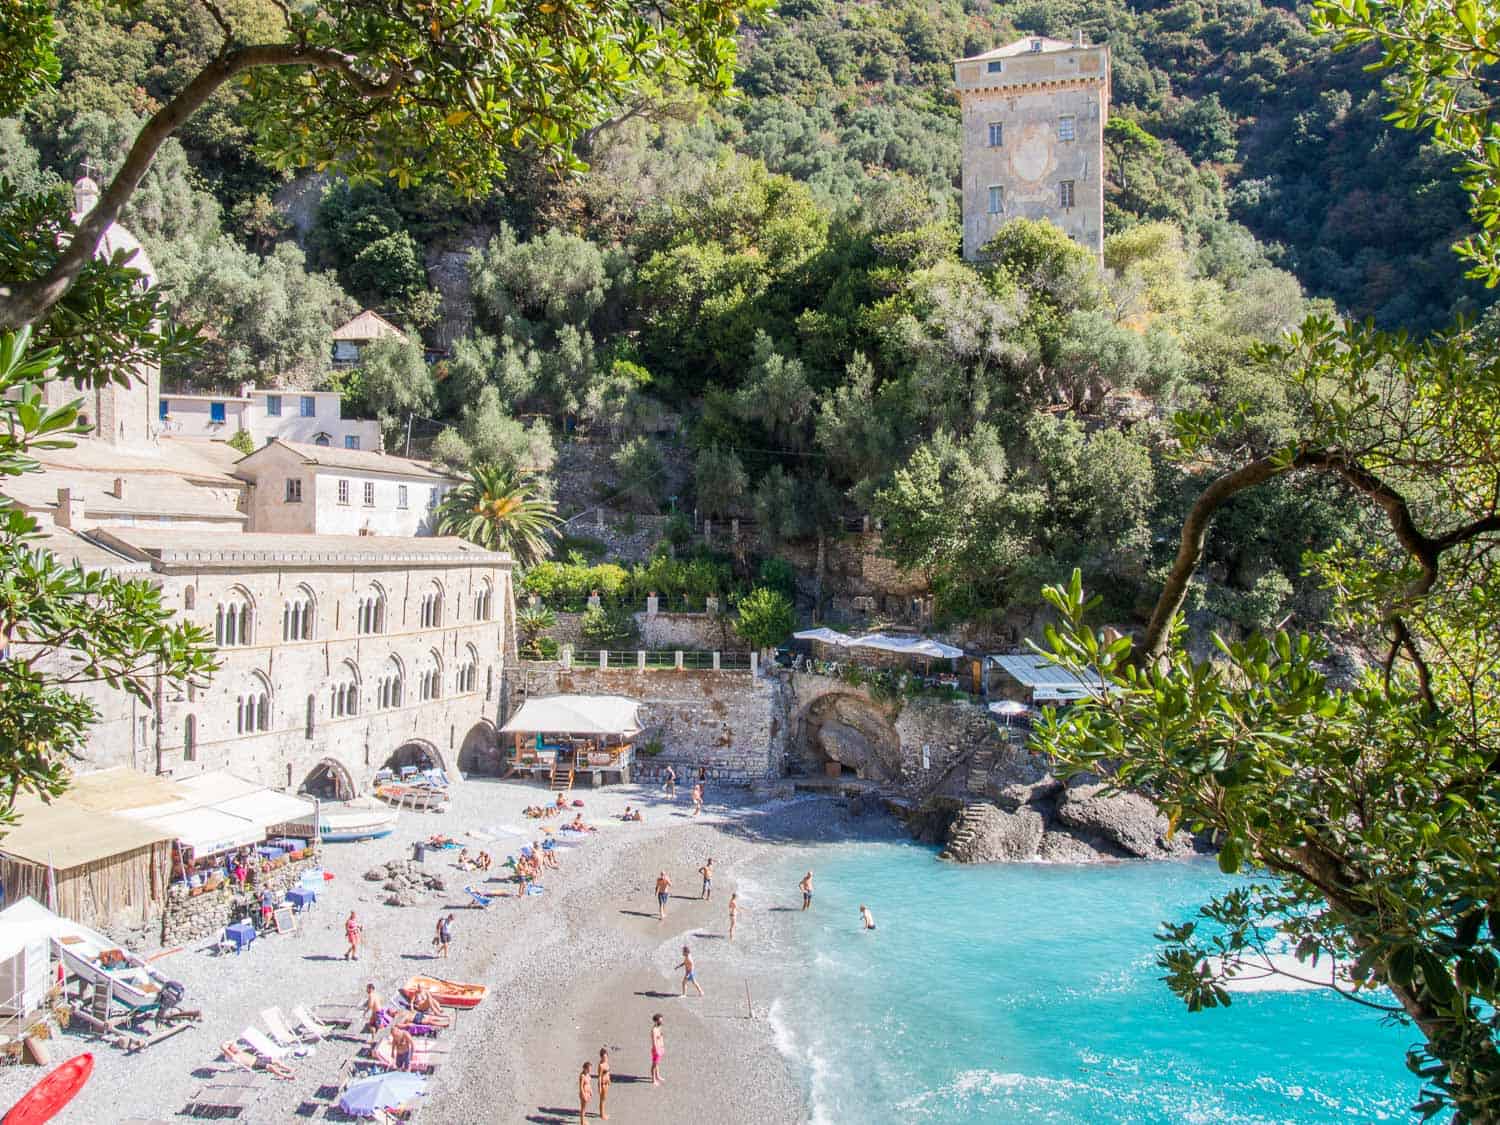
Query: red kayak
[{"x": 45, "y": 1100}]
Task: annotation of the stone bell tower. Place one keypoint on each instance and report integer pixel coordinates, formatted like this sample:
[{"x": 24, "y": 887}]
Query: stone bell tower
[{"x": 1033, "y": 138}]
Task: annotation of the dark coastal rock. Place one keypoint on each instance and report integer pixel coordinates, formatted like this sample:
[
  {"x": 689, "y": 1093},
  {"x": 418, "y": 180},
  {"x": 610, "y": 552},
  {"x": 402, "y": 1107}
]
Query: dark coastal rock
[
  {"x": 985, "y": 833},
  {"x": 930, "y": 822},
  {"x": 1127, "y": 820},
  {"x": 1064, "y": 847}
]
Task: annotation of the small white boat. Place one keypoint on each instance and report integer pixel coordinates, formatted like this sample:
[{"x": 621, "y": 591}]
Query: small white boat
[
  {"x": 359, "y": 819},
  {"x": 95, "y": 958}
]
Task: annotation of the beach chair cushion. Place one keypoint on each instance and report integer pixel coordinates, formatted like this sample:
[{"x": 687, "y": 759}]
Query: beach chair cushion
[
  {"x": 281, "y": 1032},
  {"x": 257, "y": 1041},
  {"x": 308, "y": 1026}
]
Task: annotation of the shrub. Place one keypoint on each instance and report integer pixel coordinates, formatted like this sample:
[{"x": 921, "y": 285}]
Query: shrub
[
  {"x": 242, "y": 441},
  {"x": 606, "y": 626},
  {"x": 585, "y": 545},
  {"x": 766, "y": 617},
  {"x": 778, "y": 574}
]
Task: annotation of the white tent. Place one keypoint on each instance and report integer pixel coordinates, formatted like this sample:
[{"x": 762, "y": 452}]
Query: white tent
[
  {"x": 822, "y": 633},
  {"x": 907, "y": 646},
  {"x": 576, "y": 714}
]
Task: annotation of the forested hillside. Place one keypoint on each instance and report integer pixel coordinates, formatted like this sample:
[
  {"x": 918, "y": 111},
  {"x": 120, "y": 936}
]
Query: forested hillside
[{"x": 781, "y": 271}]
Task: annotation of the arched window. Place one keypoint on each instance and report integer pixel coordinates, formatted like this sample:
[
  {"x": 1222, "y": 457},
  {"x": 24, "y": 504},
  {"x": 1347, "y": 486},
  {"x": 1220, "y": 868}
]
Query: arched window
[
  {"x": 234, "y": 619},
  {"x": 370, "y": 610},
  {"x": 430, "y": 677},
  {"x": 253, "y": 707},
  {"x": 298, "y": 614},
  {"x": 322, "y": 439},
  {"x": 190, "y": 739},
  {"x": 392, "y": 684},
  {"x": 483, "y": 601},
  {"x": 466, "y": 676},
  {"x": 344, "y": 699},
  {"x": 432, "y": 607}
]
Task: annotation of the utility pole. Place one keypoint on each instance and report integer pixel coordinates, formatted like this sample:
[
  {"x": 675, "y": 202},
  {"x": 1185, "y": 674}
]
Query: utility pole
[{"x": 408, "y": 435}]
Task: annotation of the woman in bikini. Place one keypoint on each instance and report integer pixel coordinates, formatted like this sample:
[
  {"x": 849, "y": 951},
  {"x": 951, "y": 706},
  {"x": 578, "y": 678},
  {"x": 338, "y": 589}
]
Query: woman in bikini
[
  {"x": 604, "y": 1081},
  {"x": 585, "y": 1092},
  {"x": 734, "y": 912},
  {"x": 658, "y": 1049}
]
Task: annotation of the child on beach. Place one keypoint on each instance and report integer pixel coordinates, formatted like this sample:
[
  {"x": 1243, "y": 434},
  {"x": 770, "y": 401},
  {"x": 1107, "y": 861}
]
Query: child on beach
[
  {"x": 688, "y": 976},
  {"x": 734, "y": 912},
  {"x": 707, "y": 871},
  {"x": 604, "y": 1080},
  {"x": 658, "y": 1049},
  {"x": 585, "y": 1092}
]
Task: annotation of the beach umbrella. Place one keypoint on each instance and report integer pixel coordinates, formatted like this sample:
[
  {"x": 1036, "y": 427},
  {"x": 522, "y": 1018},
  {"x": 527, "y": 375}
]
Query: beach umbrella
[{"x": 381, "y": 1091}]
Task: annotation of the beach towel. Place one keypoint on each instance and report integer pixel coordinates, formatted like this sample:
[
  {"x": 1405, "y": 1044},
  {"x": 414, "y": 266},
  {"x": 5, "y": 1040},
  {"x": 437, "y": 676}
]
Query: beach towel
[{"x": 534, "y": 889}]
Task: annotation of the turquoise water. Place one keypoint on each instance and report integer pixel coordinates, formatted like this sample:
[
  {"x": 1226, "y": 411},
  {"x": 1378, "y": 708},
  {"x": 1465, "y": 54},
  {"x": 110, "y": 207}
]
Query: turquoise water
[{"x": 1029, "y": 992}]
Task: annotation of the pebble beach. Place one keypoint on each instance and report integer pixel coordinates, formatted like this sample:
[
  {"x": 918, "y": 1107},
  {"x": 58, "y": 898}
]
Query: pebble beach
[{"x": 583, "y": 965}]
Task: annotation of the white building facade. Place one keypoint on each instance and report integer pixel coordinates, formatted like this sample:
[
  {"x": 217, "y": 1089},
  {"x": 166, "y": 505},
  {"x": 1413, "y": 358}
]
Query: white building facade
[{"x": 313, "y": 417}]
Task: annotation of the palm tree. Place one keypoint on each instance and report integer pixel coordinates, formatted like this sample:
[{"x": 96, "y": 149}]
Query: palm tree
[
  {"x": 533, "y": 622},
  {"x": 501, "y": 508}
]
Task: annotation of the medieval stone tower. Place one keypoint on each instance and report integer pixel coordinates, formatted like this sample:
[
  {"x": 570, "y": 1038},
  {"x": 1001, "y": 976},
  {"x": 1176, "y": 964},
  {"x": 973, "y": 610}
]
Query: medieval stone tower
[{"x": 1033, "y": 119}]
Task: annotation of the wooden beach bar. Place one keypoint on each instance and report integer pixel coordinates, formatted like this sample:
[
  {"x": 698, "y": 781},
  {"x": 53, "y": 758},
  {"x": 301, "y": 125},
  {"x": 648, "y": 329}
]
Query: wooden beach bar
[{"x": 559, "y": 738}]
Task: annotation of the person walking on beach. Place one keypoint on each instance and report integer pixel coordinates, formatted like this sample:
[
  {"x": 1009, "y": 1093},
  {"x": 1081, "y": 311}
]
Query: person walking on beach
[
  {"x": 605, "y": 1078},
  {"x": 354, "y": 933},
  {"x": 671, "y": 782},
  {"x": 444, "y": 936},
  {"x": 734, "y": 912},
  {"x": 806, "y": 886},
  {"x": 585, "y": 1091},
  {"x": 688, "y": 976},
  {"x": 697, "y": 799},
  {"x": 707, "y": 871},
  {"x": 663, "y": 892},
  {"x": 866, "y": 916},
  {"x": 658, "y": 1049}
]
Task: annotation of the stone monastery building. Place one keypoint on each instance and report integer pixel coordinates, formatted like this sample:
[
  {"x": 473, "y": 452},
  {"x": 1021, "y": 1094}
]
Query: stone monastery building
[
  {"x": 1033, "y": 138},
  {"x": 349, "y": 637}
]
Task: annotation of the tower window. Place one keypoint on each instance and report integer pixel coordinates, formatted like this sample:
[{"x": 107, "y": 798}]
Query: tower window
[
  {"x": 401, "y": 496},
  {"x": 997, "y": 199},
  {"x": 1065, "y": 194},
  {"x": 997, "y": 134},
  {"x": 1066, "y": 130},
  {"x": 351, "y": 441}
]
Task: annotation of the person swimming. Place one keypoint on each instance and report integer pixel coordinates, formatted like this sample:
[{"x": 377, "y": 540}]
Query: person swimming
[{"x": 866, "y": 917}]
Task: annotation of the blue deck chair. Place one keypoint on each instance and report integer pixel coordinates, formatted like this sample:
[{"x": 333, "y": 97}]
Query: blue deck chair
[{"x": 479, "y": 900}]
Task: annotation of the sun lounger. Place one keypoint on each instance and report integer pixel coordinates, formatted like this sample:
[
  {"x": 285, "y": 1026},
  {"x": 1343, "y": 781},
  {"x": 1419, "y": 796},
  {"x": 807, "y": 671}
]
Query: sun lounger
[
  {"x": 280, "y": 1030},
  {"x": 424, "y": 1060},
  {"x": 257, "y": 1041},
  {"x": 308, "y": 1027},
  {"x": 480, "y": 900},
  {"x": 339, "y": 1015},
  {"x": 224, "y": 1099}
]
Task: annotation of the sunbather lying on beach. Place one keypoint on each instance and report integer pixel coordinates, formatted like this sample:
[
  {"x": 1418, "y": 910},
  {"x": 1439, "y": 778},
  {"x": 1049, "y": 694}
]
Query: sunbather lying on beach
[
  {"x": 577, "y": 825},
  {"x": 245, "y": 1060}
]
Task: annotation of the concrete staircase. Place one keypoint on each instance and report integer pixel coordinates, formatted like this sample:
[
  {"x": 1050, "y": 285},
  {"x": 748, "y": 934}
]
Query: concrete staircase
[
  {"x": 960, "y": 832},
  {"x": 979, "y": 772}
]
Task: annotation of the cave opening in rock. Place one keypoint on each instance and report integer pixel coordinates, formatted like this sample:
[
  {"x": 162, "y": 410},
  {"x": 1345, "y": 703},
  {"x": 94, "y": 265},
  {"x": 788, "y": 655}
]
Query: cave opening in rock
[{"x": 845, "y": 735}]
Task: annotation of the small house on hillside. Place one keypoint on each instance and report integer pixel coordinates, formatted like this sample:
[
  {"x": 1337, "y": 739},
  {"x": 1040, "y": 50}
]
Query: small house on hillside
[
  {"x": 351, "y": 338},
  {"x": 1032, "y": 679}
]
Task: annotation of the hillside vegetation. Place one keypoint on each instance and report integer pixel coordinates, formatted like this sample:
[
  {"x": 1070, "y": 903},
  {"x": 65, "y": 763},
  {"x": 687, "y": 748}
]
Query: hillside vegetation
[{"x": 781, "y": 271}]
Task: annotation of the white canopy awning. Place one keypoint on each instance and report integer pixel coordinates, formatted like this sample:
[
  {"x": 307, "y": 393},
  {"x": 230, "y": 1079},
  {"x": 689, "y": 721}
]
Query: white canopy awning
[
  {"x": 822, "y": 633},
  {"x": 217, "y": 786},
  {"x": 207, "y": 831},
  {"x": 576, "y": 714},
  {"x": 267, "y": 807},
  {"x": 908, "y": 646}
]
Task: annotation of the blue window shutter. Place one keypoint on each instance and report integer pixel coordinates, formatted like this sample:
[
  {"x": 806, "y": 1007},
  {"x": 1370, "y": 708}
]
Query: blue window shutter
[{"x": 216, "y": 412}]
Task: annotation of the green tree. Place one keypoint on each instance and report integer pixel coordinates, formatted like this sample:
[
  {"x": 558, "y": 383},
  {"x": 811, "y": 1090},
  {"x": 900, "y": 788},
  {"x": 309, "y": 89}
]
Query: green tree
[
  {"x": 719, "y": 481},
  {"x": 374, "y": 91},
  {"x": 395, "y": 382},
  {"x": 640, "y": 467},
  {"x": 764, "y": 617},
  {"x": 242, "y": 442},
  {"x": 501, "y": 509},
  {"x": 606, "y": 625},
  {"x": 532, "y": 622}
]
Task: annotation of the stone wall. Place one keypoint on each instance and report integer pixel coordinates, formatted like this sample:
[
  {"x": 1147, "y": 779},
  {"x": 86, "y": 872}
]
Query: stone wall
[
  {"x": 708, "y": 632},
  {"x": 191, "y": 918},
  {"x": 729, "y": 723}
]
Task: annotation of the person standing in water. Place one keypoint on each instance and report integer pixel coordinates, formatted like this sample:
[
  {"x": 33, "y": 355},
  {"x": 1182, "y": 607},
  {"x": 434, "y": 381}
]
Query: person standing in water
[
  {"x": 658, "y": 1049},
  {"x": 707, "y": 871},
  {"x": 806, "y": 887},
  {"x": 866, "y": 916},
  {"x": 688, "y": 976},
  {"x": 585, "y": 1091},
  {"x": 604, "y": 1080},
  {"x": 734, "y": 912},
  {"x": 663, "y": 892}
]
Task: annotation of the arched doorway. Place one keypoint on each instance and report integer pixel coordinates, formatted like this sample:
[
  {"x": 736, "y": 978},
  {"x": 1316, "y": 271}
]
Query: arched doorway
[
  {"x": 329, "y": 781},
  {"x": 851, "y": 734},
  {"x": 479, "y": 751},
  {"x": 416, "y": 752}
]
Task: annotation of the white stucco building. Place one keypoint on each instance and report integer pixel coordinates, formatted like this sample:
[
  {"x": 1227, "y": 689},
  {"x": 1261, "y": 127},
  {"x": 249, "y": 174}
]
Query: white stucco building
[
  {"x": 332, "y": 491},
  {"x": 314, "y": 417}
]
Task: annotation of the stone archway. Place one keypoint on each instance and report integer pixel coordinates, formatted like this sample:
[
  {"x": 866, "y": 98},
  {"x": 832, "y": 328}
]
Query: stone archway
[
  {"x": 416, "y": 752},
  {"x": 329, "y": 781},
  {"x": 479, "y": 753},
  {"x": 852, "y": 732}
]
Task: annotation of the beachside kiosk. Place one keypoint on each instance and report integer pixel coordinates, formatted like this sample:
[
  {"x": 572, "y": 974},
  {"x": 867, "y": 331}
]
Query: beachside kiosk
[{"x": 560, "y": 737}]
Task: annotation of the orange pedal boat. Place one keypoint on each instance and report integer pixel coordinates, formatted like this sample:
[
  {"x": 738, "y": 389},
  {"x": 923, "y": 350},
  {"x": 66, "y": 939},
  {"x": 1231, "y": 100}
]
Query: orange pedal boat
[{"x": 448, "y": 993}]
